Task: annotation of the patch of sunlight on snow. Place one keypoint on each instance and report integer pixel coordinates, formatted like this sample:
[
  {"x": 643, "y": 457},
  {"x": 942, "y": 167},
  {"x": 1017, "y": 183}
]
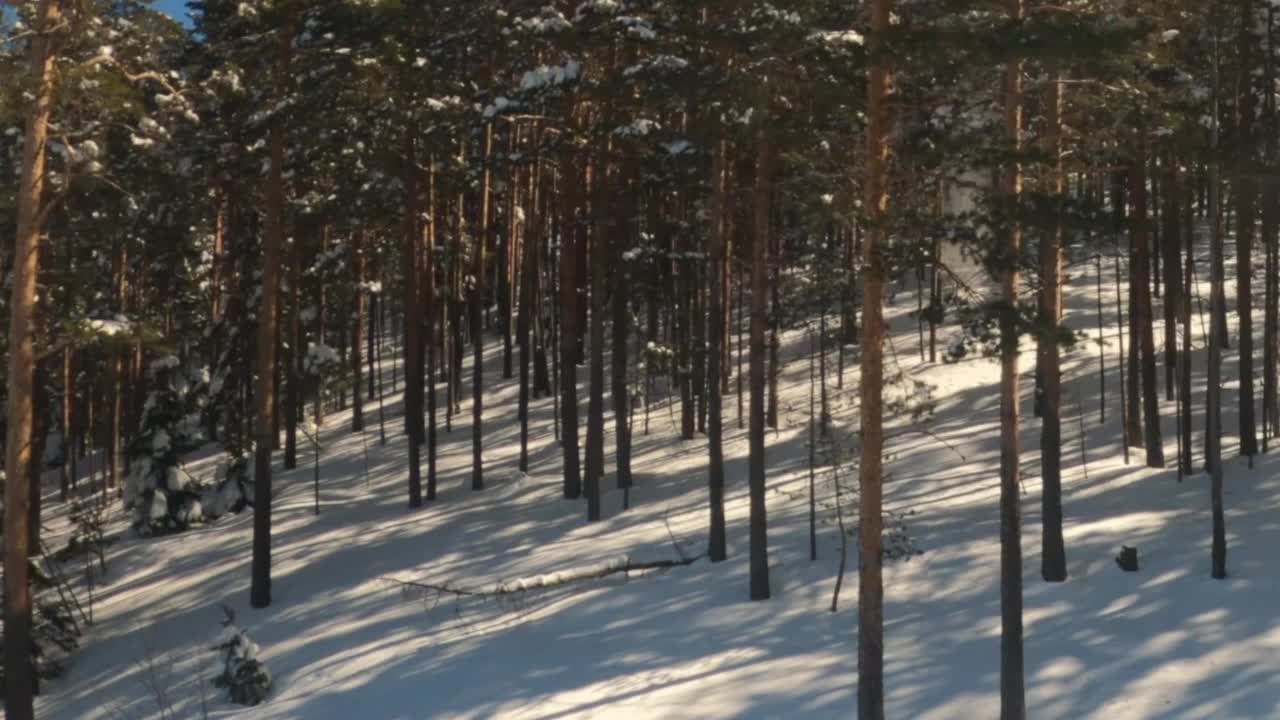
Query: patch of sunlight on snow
[
  {"x": 1167, "y": 577},
  {"x": 1119, "y": 605},
  {"x": 1063, "y": 668},
  {"x": 1161, "y": 643}
]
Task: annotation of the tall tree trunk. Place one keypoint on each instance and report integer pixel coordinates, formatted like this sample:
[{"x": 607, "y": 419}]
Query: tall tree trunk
[
  {"x": 477, "y": 329},
  {"x": 759, "y": 538},
  {"x": 621, "y": 297},
  {"x": 526, "y": 272},
  {"x": 293, "y": 391},
  {"x": 601, "y": 228},
  {"x": 570, "y": 230},
  {"x": 1133, "y": 364},
  {"x": 1171, "y": 242},
  {"x": 717, "y": 549},
  {"x": 358, "y": 332},
  {"x": 1213, "y": 409},
  {"x": 268, "y": 335},
  {"x": 1184, "y": 310},
  {"x": 1245, "y": 190},
  {"x": 1053, "y": 559},
  {"x": 428, "y": 300},
  {"x": 1143, "y": 317},
  {"x": 870, "y": 472},
  {"x": 1013, "y": 705},
  {"x": 413, "y": 324},
  {"x": 1270, "y": 229}
]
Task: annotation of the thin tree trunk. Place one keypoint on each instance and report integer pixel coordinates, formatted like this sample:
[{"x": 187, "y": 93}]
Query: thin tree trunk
[
  {"x": 293, "y": 391},
  {"x": 358, "y": 332},
  {"x": 1143, "y": 316},
  {"x": 1013, "y": 704},
  {"x": 621, "y": 297},
  {"x": 477, "y": 329},
  {"x": 1213, "y": 410},
  {"x": 1053, "y": 558},
  {"x": 1271, "y": 275},
  {"x": 759, "y": 539},
  {"x": 429, "y": 298},
  {"x": 570, "y": 229},
  {"x": 413, "y": 324},
  {"x": 1184, "y": 366},
  {"x": 527, "y": 274},
  {"x": 601, "y": 227},
  {"x": 1246, "y": 192},
  {"x": 716, "y": 545}
]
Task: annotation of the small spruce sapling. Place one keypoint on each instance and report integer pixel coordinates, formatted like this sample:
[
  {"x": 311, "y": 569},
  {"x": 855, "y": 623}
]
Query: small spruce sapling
[{"x": 240, "y": 672}]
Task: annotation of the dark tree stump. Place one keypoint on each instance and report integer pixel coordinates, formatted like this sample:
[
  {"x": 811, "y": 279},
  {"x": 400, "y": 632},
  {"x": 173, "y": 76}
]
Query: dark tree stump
[{"x": 1128, "y": 559}]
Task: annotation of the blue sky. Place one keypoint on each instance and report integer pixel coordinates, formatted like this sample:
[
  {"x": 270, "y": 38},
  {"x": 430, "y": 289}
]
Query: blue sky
[{"x": 176, "y": 8}]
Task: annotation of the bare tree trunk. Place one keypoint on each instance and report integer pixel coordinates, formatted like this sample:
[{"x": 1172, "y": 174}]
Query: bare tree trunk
[
  {"x": 413, "y": 324},
  {"x": 1245, "y": 190},
  {"x": 1143, "y": 316},
  {"x": 601, "y": 228},
  {"x": 570, "y": 230},
  {"x": 1271, "y": 275},
  {"x": 759, "y": 543},
  {"x": 1213, "y": 410},
  {"x": 716, "y": 545},
  {"x": 1013, "y": 705},
  {"x": 268, "y": 335},
  {"x": 621, "y": 297},
  {"x": 526, "y": 273},
  {"x": 477, "y": 329},
  {"x": 1184, "y": 366},
  {"x": 293, "y": 391},
  {"x": 358, "y": 332},
  {"x": 870, "y": 471},
  {"x": 1053, "y": 558},
  {"x": 1171, "y": 242},
  {"x": 428, "y": 299}
]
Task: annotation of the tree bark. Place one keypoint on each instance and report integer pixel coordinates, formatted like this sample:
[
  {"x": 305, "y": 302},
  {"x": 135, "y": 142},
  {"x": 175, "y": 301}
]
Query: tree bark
[
  {"x": 413, "y": 324},
  {"x": 601, "y": 227},
  {"x": 759, "y": 539},
  {"x": 570, "y": 230},
  {"x": 268, "y": 336},
  {"x": 717, "y": 546},
  {"x": 1143, "y": 317},
  {"x": 1245, "y": 191},
  {"x": 870, "y": 472},
  {"x": 1213, "y": 409},
  {"x": 1013, "y": 704},
  {"x": 1053, "y": 558},
  {"x": 358, "y": 332}
]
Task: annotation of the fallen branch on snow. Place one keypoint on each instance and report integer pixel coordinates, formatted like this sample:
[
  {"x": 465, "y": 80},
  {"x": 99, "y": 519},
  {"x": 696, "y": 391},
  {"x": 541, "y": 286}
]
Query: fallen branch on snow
[{"x": 519, "y": 587}]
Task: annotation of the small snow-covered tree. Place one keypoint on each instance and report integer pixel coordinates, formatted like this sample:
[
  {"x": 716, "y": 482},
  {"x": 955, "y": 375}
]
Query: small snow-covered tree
[
  {"x": 161, "y": 495},
  {"x": 240, "y": 672}
]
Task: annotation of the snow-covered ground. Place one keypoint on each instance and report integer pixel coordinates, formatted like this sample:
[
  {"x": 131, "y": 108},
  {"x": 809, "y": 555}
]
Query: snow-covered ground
[{"x": 342, "y": 642}]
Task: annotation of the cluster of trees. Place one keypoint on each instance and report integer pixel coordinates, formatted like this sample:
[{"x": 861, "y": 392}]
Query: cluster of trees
[{"x": 645, "y": 188}]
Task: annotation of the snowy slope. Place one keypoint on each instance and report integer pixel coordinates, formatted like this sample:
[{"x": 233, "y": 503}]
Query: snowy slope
[{"x": 1167, "y": 642}]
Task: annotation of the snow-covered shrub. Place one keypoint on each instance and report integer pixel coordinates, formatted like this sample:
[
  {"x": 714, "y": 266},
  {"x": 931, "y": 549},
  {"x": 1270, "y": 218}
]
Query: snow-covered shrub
[
  {"x": 162, "y": 496},
  {"x": 240, "y": 672}
]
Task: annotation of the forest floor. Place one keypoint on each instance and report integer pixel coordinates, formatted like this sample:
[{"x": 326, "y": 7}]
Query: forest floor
[{"x": 342, "y": 641}]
